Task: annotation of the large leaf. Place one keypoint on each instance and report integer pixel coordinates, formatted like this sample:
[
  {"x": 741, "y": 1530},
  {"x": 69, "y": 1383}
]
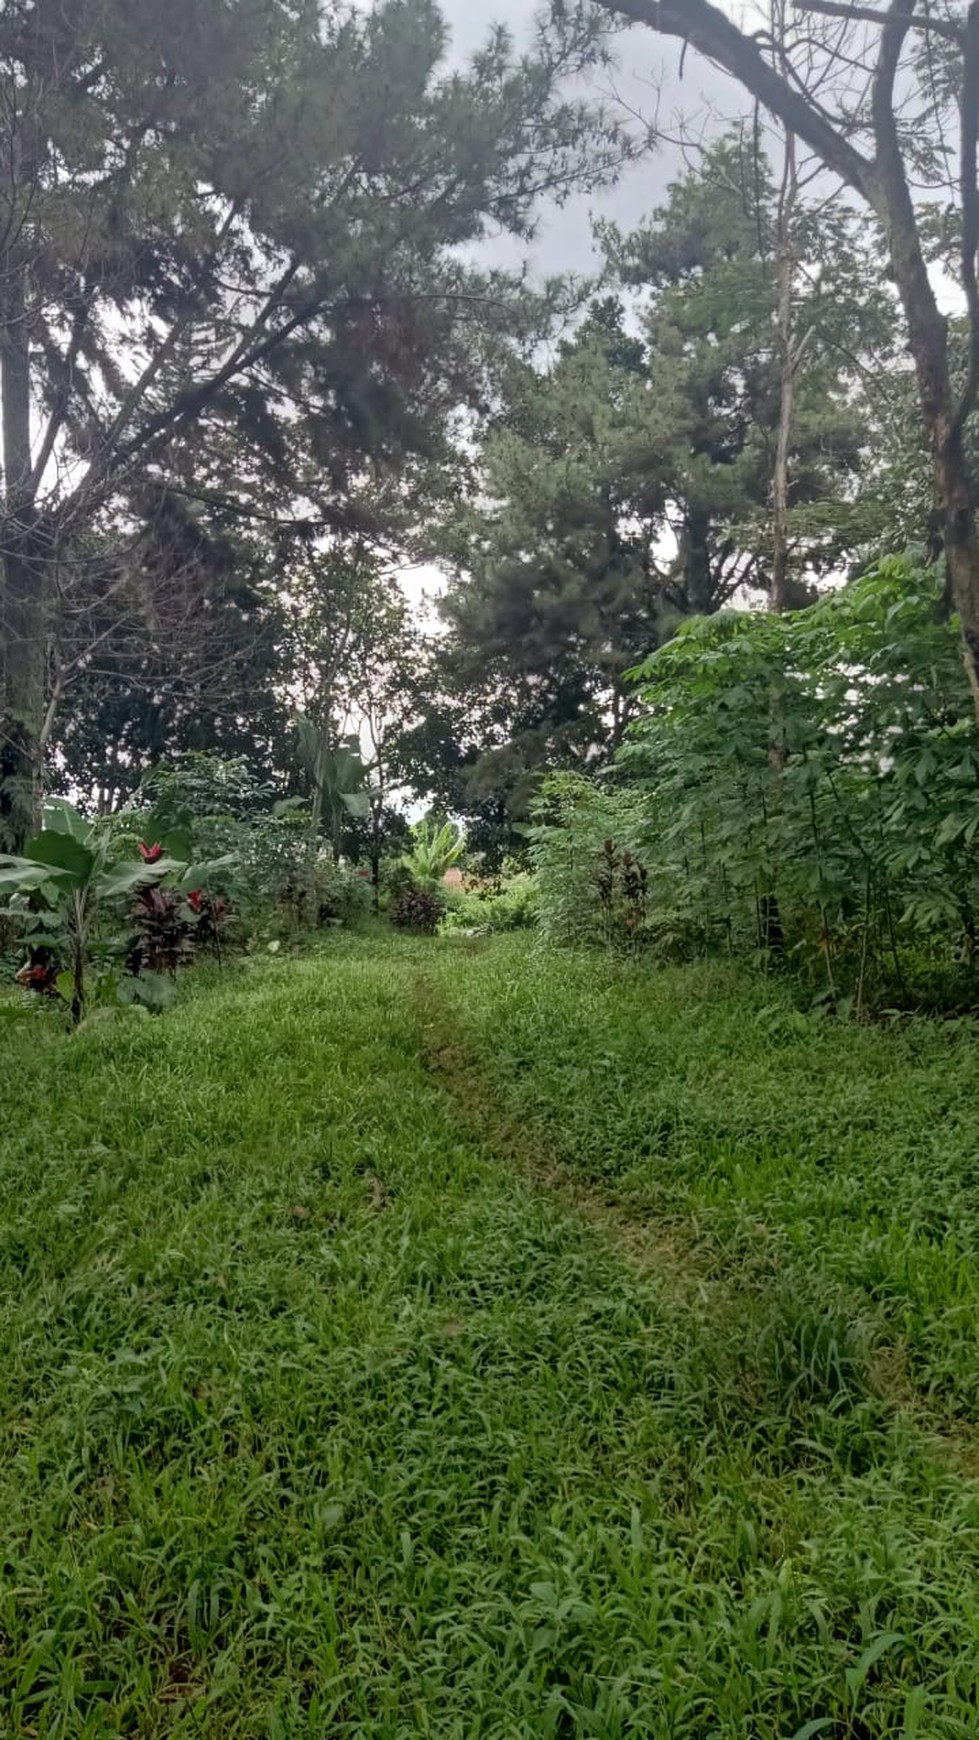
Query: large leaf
[
  {"x": 65, "y": 983},
  {"x": 176, "y": 842},
  {"x": 61, "y": 817},
  {"x": 62, "y": 851},
  {"x": 198, "y": 875},
  {"x": 356, "y": 803},
  {"x": 118, "y": 879},
  {"x": 151, "y": 991},
  {"x": 25, "y": 874}
]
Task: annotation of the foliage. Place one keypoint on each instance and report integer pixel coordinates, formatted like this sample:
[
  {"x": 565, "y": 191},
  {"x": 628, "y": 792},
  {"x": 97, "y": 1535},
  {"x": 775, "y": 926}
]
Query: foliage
[
  {"x": 510, "y": 903},
  {"x": 686, "y": 1412},
  {"x": 573, "y": 817},
  {"x": 202, "y": 787},
  {"x": 418, "y": 909},
  {"x": 279, "y": 875},
  {"x": 208, "y": 918},
  {"x": 288, "y": 879},
  {"x": 67, "y": 882},
  {"x": 805, "y": 785},
  {"x": 238, "y": 279},
  {"x": 334, "y": 774},
  {"x": 435, "y": 848},
  {"x": 164, "y": 934},
  {"x": 627, "y": 485}
]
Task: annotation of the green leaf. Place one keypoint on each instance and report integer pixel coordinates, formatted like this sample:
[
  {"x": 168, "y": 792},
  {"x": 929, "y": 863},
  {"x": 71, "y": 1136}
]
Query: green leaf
[
  {"x": 61, "y": 817},
  {"x": 197, "y": 875},
  {"x": 151, "y": 990},
  {"x": 24, "y": 873},
  {"x": 62, "y": 851},
  {"x": 177, "y": 843},
  {"x": 119, "y": 879},
  {"x": 856, "y": 1676},
  {"x": 65, "y": 983}
]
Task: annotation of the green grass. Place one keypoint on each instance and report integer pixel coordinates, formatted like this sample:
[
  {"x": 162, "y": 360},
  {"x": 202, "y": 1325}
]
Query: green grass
[{"x": 326, "y": 1410}]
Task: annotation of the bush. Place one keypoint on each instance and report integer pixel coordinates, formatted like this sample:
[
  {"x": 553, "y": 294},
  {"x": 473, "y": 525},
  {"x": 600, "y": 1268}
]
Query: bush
[
  {"x": 342, "y": 895},
  {"x": 282, "y": 879},
  {"x": 512, "y": 905},
  {"x": 164, "y": 935},
  {"x": 581, "y": 895},
  {"x": 418, "y": 909},
  {"x": 799, "y": 789}
]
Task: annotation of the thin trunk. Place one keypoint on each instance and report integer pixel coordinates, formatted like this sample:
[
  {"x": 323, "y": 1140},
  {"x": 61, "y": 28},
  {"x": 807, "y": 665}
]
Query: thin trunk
[
  {"x": 778, "y": 597},
  {"x": 956, "y": 505},
  {"x": 695, "y": 548},
  {"x": 79, "y": 935},
  {"x": 22, "y": 583}
]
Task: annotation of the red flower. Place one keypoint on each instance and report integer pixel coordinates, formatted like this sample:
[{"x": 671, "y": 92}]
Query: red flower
[
  {"x": 150, "y": 854},
  {"x": 220, "y": 908},
  {"x": 195, "y": 899}
]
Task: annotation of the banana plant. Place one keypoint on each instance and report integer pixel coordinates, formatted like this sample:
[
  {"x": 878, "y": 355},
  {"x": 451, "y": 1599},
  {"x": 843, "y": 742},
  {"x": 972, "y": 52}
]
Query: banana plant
[
  {"x": 335, "y": 773},
  {"x": 434, "y": 850},
  {"x": 70, "y": 870}
]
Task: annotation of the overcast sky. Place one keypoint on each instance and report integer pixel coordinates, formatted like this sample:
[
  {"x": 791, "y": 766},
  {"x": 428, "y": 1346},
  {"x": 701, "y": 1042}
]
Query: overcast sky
[{"x": 647, "y": 79}]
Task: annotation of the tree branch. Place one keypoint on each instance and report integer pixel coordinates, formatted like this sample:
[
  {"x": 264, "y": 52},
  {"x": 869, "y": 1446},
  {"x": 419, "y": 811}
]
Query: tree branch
[
  {"x": 706, "y": 28},
  {"x": 891, "y": 198},
  {"x": 946, "y": 27}
]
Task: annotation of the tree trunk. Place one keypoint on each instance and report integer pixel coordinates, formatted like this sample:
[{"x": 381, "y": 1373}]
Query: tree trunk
[
  {"x": 956, "y": 505},
  {"x": 695, "y": 547},
  {"x": 22, "y": 585},
  {"x": 778, "y": 597}
]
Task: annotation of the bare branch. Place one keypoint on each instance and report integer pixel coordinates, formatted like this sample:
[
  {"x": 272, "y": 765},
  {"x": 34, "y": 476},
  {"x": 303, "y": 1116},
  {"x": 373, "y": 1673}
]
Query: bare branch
[
  {"x": 709, "y": 31},
  {"x": 947, "y": 27}
]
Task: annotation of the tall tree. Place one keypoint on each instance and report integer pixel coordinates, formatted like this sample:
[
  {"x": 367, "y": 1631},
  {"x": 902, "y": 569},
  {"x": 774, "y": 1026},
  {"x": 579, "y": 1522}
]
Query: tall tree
[
  {"x": 231, "y": 251},
  {"x": 632, "y": 483},
  {"x": 873, "y": 90},
  {"x": 144, "y": 666}
]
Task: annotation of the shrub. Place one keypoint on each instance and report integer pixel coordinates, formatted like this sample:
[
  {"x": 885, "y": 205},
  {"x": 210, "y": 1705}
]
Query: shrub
[
  {"x": 800, "y": 788},
  {"x": 342, "y": 895},
  {"x": 66, "y": 894},
  {"x": 434, "y": 850},
  {"x": 574, "y": 820},
  {"x": 512, "y": 905},
  {"x": 208, "y": 917},
  {"x": 163, "y": 939},
  {"x": 418, "y": 909}
]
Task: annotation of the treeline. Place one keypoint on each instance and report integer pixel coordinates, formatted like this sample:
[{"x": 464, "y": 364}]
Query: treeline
[{"x": 252, "y": 365}]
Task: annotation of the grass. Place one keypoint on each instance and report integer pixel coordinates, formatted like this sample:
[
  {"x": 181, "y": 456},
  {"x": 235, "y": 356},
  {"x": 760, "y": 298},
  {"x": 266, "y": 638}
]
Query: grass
[{"x": 343, "y": 1393}]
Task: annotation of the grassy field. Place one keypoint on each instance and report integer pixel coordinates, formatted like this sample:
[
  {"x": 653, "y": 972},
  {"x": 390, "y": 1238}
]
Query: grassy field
[{"x": 474, "y": 1343}]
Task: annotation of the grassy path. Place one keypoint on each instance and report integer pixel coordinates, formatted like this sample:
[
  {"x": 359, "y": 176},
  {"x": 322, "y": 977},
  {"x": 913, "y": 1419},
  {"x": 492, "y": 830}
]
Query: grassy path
[{"x": 333, "y": 1402}]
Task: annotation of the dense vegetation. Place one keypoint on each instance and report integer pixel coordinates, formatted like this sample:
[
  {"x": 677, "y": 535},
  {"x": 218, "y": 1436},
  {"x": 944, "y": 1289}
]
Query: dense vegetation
[{"x": 799, "y": 789}]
